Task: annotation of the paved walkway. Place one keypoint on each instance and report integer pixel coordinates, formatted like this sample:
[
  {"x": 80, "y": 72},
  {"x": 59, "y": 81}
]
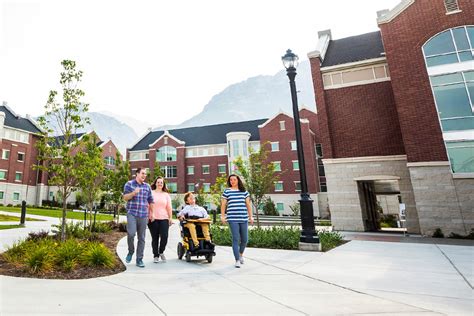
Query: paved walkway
[{"x": 360, "y": 277}]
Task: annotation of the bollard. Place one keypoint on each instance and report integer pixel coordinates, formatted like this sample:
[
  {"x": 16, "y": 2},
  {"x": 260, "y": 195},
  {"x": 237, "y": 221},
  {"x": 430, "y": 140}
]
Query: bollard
[
  {"x": 214, "y": 214},
  {"x": 23, "y": 213}
]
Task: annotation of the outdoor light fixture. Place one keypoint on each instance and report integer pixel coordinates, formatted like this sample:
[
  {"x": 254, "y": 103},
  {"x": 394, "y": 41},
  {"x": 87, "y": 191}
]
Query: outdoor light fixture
[{"x": 309, "y": 239}]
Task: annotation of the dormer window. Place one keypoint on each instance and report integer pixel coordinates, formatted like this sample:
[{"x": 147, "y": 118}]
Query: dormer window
[
  {"x": 282, "y": 126},
  {"x": 451, "y": 6}
]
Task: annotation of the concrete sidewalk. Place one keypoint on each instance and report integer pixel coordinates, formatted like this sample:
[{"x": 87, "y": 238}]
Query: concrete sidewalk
[{"x": 360, "y": 277}]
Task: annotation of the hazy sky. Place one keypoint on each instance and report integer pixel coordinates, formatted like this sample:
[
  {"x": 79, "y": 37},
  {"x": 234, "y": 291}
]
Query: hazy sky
[{"x": 160, "y": 61}]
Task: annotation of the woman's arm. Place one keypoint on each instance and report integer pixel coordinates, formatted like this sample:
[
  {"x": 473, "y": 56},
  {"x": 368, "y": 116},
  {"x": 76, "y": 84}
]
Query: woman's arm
[
  {"x": 169, "y": 209},
  {"x": 249, "y": 209},
  {"x": 223, "y": 206}
]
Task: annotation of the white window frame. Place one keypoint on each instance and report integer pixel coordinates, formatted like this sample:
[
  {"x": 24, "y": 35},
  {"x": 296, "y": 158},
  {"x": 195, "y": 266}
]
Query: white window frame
[
  {"x": 282, "y": 126},
  {"x": 277, "y": 144},
  {"x": 282, "y": 204},
  {"x": 20, "y": 153},
  {"x": 206, "y": 187},
  {"x": 4, "y": 156},
  {"x": 208, "y": 169},
  {"x": 6, "y": 174},
  {"x": 188, "y": 168},
  {"x": 275, "y": 163},
  {"x": 192, "y": 186},
  {"x": 21, "y": 176},
  {"x": 2, "y": 195},
  {"x": 293, "y": 165},
  {"x": 296, "y": 186},
  {"x": 293, "y": 145},
  {"x": 282, "y": 188},
  {"x": 19, "y": 196},
  {"x": 219, "y": 168}
]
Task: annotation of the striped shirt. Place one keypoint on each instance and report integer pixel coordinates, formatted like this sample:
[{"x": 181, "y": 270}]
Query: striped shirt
[
  {"x": 236, "y": 207},
  {"x": 138, "y": 205}
]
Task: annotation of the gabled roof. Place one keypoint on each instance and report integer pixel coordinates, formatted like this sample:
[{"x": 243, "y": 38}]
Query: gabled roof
[
  {"x": 15, "y": 121},
  {"x": 203, "y": 135},
  {"x": 58, "y": 140},
  {"x": 353, "y": 49}
]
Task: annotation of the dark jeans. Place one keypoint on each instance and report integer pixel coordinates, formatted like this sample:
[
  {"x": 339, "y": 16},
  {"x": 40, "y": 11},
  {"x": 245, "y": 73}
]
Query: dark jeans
[{"x": 159, "y": 233}]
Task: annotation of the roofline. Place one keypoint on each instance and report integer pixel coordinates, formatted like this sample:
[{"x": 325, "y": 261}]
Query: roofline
[
  {"x": 365, "y": 62},
  {"x": 324, "y": 37},
  {"x": 392, "y": 14},
  {"x": 141, "y": 138},
  {"x": 274, "y": 117},
  {"x": 32, "y": 121},
  {"x": 305, "y": 107},
  {"x": 5, "y": 104},
  {"x": 167, "y": 134}
]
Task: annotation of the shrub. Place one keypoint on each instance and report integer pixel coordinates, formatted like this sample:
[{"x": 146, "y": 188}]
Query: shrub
[
  {"x": 438, "y": 233},
  {"x": 96, "y": 254},
  {"x": 295, "y": 209},
  {"x": 17, "y": 252},
  {"x": 458, "y": 236},
  {"x": 329, "y": 240},
  {"x": 39, "y": 259},
  {"x": 324, "y": 223},
  {"x": 42, "y": 234},
  {"x": 68, "y": 253},
  {"x": 269, "y": 208},
  {"x": 73, "y": 230},
  {"x": 99, "y": 227},
  {"x": 388, "y": 221},
  {"x": 9, "y": 205}
]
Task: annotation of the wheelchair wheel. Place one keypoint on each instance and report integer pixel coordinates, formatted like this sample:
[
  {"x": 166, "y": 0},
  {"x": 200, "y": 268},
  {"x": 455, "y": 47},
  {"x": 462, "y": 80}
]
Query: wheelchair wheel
[
  {"x": 180, "y": 251},
  {"x": 209, "y": 258},
  {"x": 188, "y": 256}
]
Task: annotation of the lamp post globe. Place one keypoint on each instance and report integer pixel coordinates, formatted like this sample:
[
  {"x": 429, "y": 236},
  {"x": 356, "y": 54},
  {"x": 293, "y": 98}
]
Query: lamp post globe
[{"x": 309, "y": 238}]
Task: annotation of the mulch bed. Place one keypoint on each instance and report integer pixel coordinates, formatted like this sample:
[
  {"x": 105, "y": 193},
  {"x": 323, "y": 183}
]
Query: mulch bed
[{"x": 110, "y": 240}]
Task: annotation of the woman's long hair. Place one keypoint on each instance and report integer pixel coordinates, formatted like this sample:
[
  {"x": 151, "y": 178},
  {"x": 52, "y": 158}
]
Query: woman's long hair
[
  {"x": 165, "y": 188},
  {"x": 240, "y": 184}
]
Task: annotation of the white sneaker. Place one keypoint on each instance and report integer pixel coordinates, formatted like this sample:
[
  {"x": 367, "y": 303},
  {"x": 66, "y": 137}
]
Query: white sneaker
[
  {"x": 156, "y": 260},
  {"x": 241, "y": 259},
  {"x": 237, "y": 264},
  {"x": 162, "y": 257}
]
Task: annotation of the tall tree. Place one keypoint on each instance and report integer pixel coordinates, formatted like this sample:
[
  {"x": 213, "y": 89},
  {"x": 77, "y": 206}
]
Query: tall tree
[
  {"x": 259, "y": 176},
  {"x": 90, "y": 172},
  {"x": 57, "y": 155},
  {"x": 216, "y": 191},
  {"x": 115, "y": 180}
]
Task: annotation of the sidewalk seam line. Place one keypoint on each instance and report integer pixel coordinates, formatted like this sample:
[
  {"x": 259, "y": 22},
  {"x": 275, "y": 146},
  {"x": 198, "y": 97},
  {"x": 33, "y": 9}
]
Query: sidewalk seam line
[{"x": 454, "y": 266}]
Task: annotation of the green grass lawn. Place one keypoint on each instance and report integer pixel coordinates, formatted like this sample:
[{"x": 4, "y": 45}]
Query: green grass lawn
[
  {"x": 55, "y": 213},
  {"x": 9, "y": 226},
  {"x": 8, "y": 218}
]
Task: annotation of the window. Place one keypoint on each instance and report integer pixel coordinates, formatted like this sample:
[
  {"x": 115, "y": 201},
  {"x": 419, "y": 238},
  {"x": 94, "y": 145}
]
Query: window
[
  {"x": 319, "y": 150},
  {"x": 21, "y": 156},
  {"x": 3, "y": 174},
  {"x": 16, "y": 196},
  {"x": 134, "y": 156},
  {"x": 220, "y": 150},
  {"x": 279, "y": 186},
  {"x": 51, "y": 194},
  {"x": 451, "y": 6},
  {"x": 235, "y": 148},
  {"x": 296, "y": 165},
  {"x": 166, "y": 153},
  {"x": 205, "y": 169},
  {"x": 5, "y": 154},
  {"x": 297, "y": 186},
  {"x": 2, "y": 195},
  {"x": 282, "y": 126},
  {"x": 277, "y": 165},
  {"x": 190, "y": 152},
  {"x": 461, "y": 156},
  {"x": 451, "y": 46},
  {"x": 280, "y": 207},
  {"x": 190, "y": 169},
  {"x": 321, "y": 171},
  {"x": 221, "y": 168},
  {"x": 323, "y": 187},
  {"x": 172, "y": 187},
  {"x": 18, "y": 176},
  {"x": 169, "y": 171},
  {"x": 293, "y": 144},
  {"x": 206, "y": 187},
  {"x": 109, "y": 161},
  {"x": 190, "y": 187},
  {"x": 275, "y": 146}
]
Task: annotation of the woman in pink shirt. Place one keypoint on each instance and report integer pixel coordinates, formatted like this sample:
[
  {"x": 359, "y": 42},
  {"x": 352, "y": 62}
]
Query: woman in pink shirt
[{"x": 159, "y": 218}]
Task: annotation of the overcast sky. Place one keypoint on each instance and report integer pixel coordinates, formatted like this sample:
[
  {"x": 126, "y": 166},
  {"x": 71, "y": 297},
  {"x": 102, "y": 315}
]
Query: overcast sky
[{"x": 160, "y": 61}]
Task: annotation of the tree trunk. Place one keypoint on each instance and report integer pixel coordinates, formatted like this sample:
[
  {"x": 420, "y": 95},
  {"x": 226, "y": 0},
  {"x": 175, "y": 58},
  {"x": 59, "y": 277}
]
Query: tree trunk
[
  {"x": 256, "y": 212},
  {"x": 63, "y": 225}
]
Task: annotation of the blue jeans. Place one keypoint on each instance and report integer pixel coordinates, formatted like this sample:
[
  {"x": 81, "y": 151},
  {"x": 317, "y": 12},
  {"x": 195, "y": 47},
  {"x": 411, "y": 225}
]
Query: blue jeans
[
  {"x": 240, "y": 236},
  {"x": 136, "y": 225}
]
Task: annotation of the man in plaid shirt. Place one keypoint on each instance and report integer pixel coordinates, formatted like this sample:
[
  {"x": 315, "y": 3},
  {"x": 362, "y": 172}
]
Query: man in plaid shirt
[{"x": 138, "y": 195}]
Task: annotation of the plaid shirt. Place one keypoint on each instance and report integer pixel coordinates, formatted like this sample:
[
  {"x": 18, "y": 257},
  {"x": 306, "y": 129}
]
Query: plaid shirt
[{"x": 138, "y": 205}]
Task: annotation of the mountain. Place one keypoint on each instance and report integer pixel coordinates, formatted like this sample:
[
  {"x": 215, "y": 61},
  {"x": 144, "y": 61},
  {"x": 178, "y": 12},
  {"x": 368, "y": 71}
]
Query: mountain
[
  {"x": 140, "y": 127},
  {"x": 107, "y": 127},
  {"x": 255, "y": 98}
]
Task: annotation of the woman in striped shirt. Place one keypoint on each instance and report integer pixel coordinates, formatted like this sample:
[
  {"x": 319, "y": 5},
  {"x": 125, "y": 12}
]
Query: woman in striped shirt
[{"x": 236, "y": 201}]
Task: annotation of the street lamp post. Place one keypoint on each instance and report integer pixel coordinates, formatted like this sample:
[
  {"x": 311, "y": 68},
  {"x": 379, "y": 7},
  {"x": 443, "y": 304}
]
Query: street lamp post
[{"x": 309, "y": 239}]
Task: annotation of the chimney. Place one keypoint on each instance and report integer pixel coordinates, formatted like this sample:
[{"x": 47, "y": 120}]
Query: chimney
[{"x": 325, "y": 32}]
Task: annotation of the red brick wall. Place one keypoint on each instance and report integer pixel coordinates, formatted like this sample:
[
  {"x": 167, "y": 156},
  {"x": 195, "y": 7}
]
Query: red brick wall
[
  {"x": 403, "y": 38},
  {"x": 271, "y": 133},
  {"x": 363, "y": 121},
  {"x": 110, "y": 150},
  {"x": 198, "y": 176}
]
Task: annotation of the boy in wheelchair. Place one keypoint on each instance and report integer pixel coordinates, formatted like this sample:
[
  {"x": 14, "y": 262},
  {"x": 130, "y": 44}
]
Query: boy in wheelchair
[{"x": 195, "y": 213}]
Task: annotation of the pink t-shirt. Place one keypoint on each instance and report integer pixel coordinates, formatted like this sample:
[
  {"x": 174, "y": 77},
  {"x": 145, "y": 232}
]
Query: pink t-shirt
[{"x": 161, "y": 208}]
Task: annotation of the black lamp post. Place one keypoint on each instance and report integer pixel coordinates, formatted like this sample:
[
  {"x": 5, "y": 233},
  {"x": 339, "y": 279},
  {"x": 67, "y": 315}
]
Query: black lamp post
[{"x": 308, "y": 232}]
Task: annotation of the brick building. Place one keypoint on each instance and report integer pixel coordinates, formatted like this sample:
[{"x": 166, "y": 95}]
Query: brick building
[
  {"x": 193, "y": 157},
  {"x": 18, "y": 180},
  {"x": 395, "y": 114}
]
